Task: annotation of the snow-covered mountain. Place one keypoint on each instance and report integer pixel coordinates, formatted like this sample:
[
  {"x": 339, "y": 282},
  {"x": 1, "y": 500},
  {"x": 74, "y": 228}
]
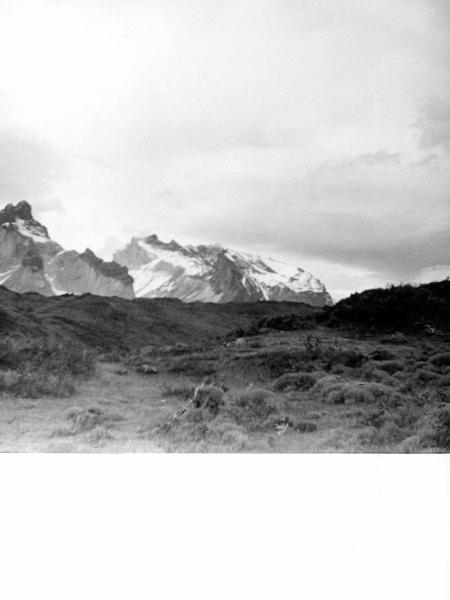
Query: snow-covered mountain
[
  {"x": 214, "y": 274},
  {"x": 31, "y": 262}
]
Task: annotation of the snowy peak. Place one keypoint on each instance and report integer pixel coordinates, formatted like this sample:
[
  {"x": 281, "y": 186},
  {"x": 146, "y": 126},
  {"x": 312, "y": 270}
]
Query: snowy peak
[
  {"x": 146, "y": 267},
  {"x": 211, "y": 273},
  {"x": 31, "y": 262},
  {"x": 20, "y": 217}
]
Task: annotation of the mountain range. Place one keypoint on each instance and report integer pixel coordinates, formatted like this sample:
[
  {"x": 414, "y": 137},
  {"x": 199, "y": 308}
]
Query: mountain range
[{"x": 30, "y": 261}]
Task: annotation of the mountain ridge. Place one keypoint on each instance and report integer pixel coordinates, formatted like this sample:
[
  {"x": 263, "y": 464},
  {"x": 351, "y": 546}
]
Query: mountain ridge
[
  {"x": 30, "y": 261},
  {"x": 214, "y": 273}
]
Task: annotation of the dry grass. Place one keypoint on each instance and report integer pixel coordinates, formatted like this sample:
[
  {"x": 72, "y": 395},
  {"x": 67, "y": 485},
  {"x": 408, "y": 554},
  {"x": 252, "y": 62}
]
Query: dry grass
[
  {"x": 295, "y": 381},
  {"x": 329, "y": 394},
  {"x": 33, "y": 368}
]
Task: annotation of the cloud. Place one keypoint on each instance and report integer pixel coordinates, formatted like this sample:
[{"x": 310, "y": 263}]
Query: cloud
[
  {"x": 434, "y": 125},
  {"x": 374, "y": 214},
  {"x": 52, "y": 204},
  {"x": 272, "y": 125},
  {"x": 430, "y": 162},
  {"x": 29, "y": 168},
  {"x": 436, "y": 273},
  {"x": 372, "y": 159}
]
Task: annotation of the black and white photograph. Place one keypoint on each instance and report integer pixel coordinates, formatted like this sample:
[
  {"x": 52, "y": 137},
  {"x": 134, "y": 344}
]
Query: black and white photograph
[
  {"x": 224, "y": 299},
  {"x": 224, "y": 226}
]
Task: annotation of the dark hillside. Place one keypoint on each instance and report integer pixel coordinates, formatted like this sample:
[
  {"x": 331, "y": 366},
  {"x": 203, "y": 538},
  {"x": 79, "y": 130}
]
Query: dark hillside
[
  {"x": 398, "y": 308},
  {"x": 118, "y": 323}
]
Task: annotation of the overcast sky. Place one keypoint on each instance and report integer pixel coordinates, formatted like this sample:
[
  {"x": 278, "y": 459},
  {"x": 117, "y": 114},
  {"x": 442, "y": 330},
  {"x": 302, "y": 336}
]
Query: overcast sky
[{"x": 312, "y": 130}]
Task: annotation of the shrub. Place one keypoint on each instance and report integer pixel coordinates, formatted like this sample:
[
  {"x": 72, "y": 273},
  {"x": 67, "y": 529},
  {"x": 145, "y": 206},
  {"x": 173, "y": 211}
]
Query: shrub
[
  {"x": 394, "y": 338},
  {"x": 402, "y": 308},
  {"x": 444, "y": 381},
  {"x": 424, "y": 376},
  {"x": 256, "y": 402},
  {"x": 387, "y": 434},
  {"x": 441, "y": 434},
  {"x": 208, "y": 396},
  {"x": 304, "y": 426},
  {"x": 85, "y": 419},
  {"x": 294, "y": 381},
  {"x": 290, "y": 322},
  {"x": 98, "y": 435},
  {"x": 382, "y": 354},
  {"x": 278, "y": 421},
  {"x": 279, "y": 362},
  {"x": 348, "y": 357},
  {"x": 34, "y": 384},
  {"x": 334, "y": 390},
  {"x": 371, "y": 373},
  {"x": 192, "y": 366},
  {"x": 441, "y": 360},
  {"x": 390, "y": 366},
  {"x": 178, "y": 391},
  {"x": 48, "y": 355},
  {"x": 228, "y": 434}
]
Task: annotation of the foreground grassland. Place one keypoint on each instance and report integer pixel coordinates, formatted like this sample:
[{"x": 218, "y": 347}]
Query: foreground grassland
[{"x": 318, "y": 390}]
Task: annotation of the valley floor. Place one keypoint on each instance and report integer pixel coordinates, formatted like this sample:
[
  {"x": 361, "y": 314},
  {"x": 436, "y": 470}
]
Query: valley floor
[{"x": 311, "y": 391}]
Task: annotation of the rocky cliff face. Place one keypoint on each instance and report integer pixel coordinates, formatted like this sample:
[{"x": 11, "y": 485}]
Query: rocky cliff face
[
  {"x": 214, "y": 274},
  {"x": 31, "y": 262}
]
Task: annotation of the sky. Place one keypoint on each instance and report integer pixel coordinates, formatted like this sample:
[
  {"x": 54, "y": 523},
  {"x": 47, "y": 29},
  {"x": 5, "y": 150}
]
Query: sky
[{"x": 315, "y": 131}]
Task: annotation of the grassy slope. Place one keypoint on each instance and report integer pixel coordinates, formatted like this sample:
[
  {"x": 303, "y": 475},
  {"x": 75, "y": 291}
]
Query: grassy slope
[
  {"x": 358, "y": 391},
  {"x": 122, "y": 410},
  {"x": 115, "y": 323}
]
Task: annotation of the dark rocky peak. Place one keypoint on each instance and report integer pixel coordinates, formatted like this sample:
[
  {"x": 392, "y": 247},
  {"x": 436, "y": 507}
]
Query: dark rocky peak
[
  {"x": 212, "y": 250},
  {"x": 154, "y": 240},
  {"x": 22, "y": 210},
  {"x": 109, "y": 269}
]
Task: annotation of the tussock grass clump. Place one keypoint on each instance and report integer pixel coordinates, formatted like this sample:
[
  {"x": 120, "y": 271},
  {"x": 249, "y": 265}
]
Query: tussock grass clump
[
  {"x": 348, "y": 357},
  {"x": 185, "y": 392},
  {"x": 382, "y": 354},
  {"x": 388, "y": 434},
  {"x": 46, "y": 354},
  {"x": 98, "y": 435},
  {"x": 440, "y": 360},
  {"x": 390, "y": 366},
  {"x": 441, "y": 434},
  {"x": 228, "y": 434},
  {"x": 424, "y": 377},
  {"x": 32, "y": 367},
  {"x": 290, "y": 322},
  {"x": 257, "y": 402},
  {"x": 278, "y": 362},
  {"x": 305, "y": 426},
  {"x": 371, "y": 372},
  {"x": 201, "y": 429},
  {"x": 35, "y": 384},
  {"x": 333, "y": 390},
  {"x": 208, "y": 396},
  {"x": 190, "y": 365},
  {"x": 444, "y": 381},
  {"x": 85, "y": 419},
  {"x": 404, "y": 417},
  {"x": 394, "y": 338},
  {"x": 294, "y": 381}
]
